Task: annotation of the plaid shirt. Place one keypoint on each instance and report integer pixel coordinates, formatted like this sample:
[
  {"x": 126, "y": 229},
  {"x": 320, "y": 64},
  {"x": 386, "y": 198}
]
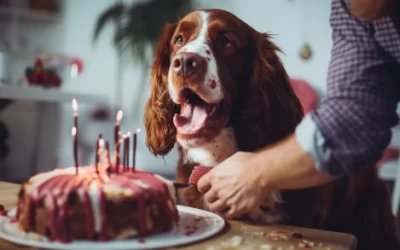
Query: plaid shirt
[{"x": 352, "y": 126}]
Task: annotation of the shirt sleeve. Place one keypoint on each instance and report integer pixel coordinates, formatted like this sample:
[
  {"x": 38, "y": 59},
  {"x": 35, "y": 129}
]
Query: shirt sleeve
[{"x": 352, "y": 126}]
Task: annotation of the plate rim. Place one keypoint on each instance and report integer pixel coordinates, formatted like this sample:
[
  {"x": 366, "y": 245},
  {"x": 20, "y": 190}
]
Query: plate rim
[{"x": 107, "y": 245}]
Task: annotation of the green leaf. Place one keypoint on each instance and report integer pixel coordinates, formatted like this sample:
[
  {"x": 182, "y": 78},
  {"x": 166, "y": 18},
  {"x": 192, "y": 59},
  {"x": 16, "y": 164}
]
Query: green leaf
[
  {"x": 114, "y": 13},
  {"x": 139, "y": 26}
]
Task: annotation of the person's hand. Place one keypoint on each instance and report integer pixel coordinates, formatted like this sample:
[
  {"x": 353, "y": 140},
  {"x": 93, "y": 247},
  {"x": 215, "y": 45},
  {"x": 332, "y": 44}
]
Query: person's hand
[{"x": 234, "y": 187}]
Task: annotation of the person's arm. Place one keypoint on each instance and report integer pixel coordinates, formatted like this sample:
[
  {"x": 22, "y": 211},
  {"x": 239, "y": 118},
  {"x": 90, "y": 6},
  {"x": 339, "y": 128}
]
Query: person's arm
[
  {"x": 352, "y": 126},
  {"x": 349, "y": 130}
]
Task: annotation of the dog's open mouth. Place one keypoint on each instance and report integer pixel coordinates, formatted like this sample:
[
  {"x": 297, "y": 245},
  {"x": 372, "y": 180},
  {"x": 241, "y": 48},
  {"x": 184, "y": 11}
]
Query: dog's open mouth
[{"x": 197, "y": 114}]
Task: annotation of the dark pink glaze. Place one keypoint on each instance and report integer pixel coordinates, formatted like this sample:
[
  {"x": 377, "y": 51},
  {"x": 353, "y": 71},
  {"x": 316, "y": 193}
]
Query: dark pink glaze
[
  {"x": 67, "y": 183},
  {"x": 213, "y": 84}
]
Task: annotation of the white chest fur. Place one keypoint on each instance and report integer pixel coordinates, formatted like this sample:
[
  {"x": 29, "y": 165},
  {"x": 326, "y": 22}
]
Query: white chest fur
[
  {"x": 221, "y": 147},
  {"x": 211, "y": 153}
]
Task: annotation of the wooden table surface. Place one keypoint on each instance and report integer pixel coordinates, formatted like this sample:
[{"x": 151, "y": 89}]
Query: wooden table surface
[{"x": 236, "y": 235}]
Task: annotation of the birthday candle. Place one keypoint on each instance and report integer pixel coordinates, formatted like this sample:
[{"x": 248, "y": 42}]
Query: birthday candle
[
  {"x": 75, "y": 132},
  {"x": 108, "y": 157},
  {"x": 75, "y": 146},
  {"x": 128, "y": 142},
  {"x": 99, "y": 145},
  {"x": 117, "y": 139},
  {"x": 134, "y": 149},
  {"x": 124, "y": 153}
]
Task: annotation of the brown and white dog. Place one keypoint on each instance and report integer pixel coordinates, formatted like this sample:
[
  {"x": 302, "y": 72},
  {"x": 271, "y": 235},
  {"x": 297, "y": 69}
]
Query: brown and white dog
[{"x": 218, "y": 86}]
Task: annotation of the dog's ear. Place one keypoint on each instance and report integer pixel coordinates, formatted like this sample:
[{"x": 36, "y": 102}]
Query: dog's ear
[
  {"x": 159, "y": 109},
  {"x": 269, "y": 108}
]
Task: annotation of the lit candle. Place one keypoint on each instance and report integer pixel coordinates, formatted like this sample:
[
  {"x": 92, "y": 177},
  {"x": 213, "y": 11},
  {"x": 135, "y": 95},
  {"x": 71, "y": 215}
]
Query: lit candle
[
  {"x": 116, "y": 139},
  {"x": 125, "y": 153},
  {"x": 108, "y": 157},
  {"x": 73, "y": 132},
  {"x": 75, "y": 109},
  {"x": 134, "y": 149},
  {"x": 99, "y": 145},
  {"x": 76, "y": 134},
  {"x": 128, "y": 142}
]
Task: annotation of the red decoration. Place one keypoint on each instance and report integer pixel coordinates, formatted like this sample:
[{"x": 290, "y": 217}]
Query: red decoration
[
  {"x": 297, "y": 235},
  {"x": 39, "y": 62},
  {"x": 308, "y": 97},
  {"x": 78, "y": 64},
  {"x": 41, "y": 76}
]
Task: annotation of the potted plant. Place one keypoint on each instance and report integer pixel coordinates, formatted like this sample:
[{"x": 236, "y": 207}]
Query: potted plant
[{"x": 137, "y": 29}]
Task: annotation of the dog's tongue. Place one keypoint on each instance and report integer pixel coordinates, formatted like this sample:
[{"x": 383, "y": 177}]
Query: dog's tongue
[
  {"x": 197, "y": 173},
  {"x": 191, "y": 119}
]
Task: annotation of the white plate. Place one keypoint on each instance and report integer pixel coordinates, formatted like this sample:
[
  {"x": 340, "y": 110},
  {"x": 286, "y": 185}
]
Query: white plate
[{"x": 207, "y": 224}]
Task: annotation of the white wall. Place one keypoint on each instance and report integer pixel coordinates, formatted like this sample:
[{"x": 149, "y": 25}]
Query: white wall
[{"x": 284, "y": 18}]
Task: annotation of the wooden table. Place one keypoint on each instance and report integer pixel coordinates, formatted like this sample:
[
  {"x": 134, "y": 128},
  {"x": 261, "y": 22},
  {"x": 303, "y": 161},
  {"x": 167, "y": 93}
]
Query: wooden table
[{"x": 236, "y": 235}]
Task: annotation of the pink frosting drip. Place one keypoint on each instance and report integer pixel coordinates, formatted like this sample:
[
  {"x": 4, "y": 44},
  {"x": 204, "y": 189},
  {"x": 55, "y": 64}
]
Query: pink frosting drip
[{"x": 63, "y": 184}]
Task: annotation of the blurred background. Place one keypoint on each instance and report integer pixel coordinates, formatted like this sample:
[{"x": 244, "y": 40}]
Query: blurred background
[{"x": 100, "y": 52}]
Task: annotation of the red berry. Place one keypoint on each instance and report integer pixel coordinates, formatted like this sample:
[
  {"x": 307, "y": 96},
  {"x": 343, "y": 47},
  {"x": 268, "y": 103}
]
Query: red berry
[
  {"x": 1, "y": 207},
  {"x": 45, "y": 78},
  {"x": 40, "y": 79},
  {"x": 34, "y": 78},
  {"x": 38, "y": 62},
  {"x": 3, "y": 212},
  {"x": 297, "y": 235},
  {"x": 197, "y": 173},
  {"x": 189, "y": 233}
]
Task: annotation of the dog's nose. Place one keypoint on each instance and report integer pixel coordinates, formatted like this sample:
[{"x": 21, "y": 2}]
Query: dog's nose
[{"x": 187, "y": 64}]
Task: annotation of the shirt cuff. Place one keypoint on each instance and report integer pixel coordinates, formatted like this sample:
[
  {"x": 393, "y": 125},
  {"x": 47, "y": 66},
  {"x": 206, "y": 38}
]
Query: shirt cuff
[{"x": 313, "y": 142}]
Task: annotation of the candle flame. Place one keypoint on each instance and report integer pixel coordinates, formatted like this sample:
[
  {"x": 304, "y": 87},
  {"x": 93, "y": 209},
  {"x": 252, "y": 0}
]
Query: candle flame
[
  {"x": 73, "y": 131},
  {"x": 101, "y": 143},
  {"x": 128, "y": 134},
  {"x": 74, "y": 105},
  {"x": 119, "y": 115},
  {"x": 138, "y": 130}
]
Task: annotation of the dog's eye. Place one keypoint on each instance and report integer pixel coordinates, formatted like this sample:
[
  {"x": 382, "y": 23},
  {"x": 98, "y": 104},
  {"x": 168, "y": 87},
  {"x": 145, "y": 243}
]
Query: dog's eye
[
  {"x": 225, "y": 42},
  {"x": 179, "y": 39}
]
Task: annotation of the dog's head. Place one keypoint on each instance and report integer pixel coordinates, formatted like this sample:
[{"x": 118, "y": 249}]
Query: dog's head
[{"x": 212, "y": 71}]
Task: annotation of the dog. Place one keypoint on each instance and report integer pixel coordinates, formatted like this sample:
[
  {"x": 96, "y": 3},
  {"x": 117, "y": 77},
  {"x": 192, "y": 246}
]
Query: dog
[{"x": 217, "y": 87}]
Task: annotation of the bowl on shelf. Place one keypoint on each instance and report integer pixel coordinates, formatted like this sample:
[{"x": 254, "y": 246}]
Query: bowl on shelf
[{"x": 50, "y": 71}]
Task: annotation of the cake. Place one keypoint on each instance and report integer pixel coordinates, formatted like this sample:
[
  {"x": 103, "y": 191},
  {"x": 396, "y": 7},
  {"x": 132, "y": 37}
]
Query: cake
[{"x": 103, "y": 206}]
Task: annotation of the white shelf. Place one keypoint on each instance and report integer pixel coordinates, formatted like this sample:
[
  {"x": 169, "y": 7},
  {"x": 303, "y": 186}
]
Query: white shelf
[
  {"x": 46, "y": 95},
  {"x": 27, "y": 15}
]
